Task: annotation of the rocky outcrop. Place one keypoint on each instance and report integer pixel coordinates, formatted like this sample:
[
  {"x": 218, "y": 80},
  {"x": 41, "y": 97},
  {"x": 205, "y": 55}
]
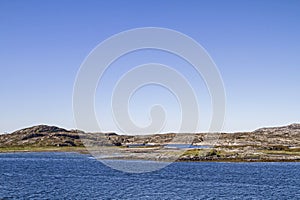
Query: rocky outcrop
[{"x": 40, "y": 129}]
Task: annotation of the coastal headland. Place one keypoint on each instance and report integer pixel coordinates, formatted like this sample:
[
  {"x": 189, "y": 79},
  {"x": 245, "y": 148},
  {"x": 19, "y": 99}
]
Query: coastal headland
[{"x": 274, "y": 144}]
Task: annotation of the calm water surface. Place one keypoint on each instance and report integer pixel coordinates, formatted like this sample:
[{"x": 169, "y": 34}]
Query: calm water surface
[{"x": 75, "y": 176}]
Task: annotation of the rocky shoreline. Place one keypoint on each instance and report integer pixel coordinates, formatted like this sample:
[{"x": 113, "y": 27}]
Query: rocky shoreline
[{"x": 277, "y": 144}]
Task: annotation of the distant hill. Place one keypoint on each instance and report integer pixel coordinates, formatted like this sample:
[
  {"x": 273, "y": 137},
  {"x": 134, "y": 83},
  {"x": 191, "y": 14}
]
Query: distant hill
[
  {"x": 43, "y": 135},
  {"x": 288, "y": 128}
]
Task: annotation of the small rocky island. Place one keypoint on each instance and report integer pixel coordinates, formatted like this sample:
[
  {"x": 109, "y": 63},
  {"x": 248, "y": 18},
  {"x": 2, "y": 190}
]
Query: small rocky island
[{"x": 277, "y": 144}]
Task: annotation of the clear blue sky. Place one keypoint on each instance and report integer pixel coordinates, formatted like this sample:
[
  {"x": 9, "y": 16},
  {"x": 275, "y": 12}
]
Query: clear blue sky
[{"x": 255, "y": 45}]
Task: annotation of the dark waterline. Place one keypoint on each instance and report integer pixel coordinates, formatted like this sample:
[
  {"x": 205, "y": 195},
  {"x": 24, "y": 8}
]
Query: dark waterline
[
  {"x": 176, "y": 146},
  {"x": 76, "y": 176},
  {"x": 187, "y": 146}
]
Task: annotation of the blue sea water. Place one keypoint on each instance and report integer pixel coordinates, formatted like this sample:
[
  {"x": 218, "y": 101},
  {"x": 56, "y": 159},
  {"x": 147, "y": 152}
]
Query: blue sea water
[{"x": 77, "y": 176}]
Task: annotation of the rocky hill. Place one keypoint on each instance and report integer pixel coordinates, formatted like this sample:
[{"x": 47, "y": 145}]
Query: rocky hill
[
  {"x": 41, "y": 135},
  {"x": 284, "y": 136}
]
